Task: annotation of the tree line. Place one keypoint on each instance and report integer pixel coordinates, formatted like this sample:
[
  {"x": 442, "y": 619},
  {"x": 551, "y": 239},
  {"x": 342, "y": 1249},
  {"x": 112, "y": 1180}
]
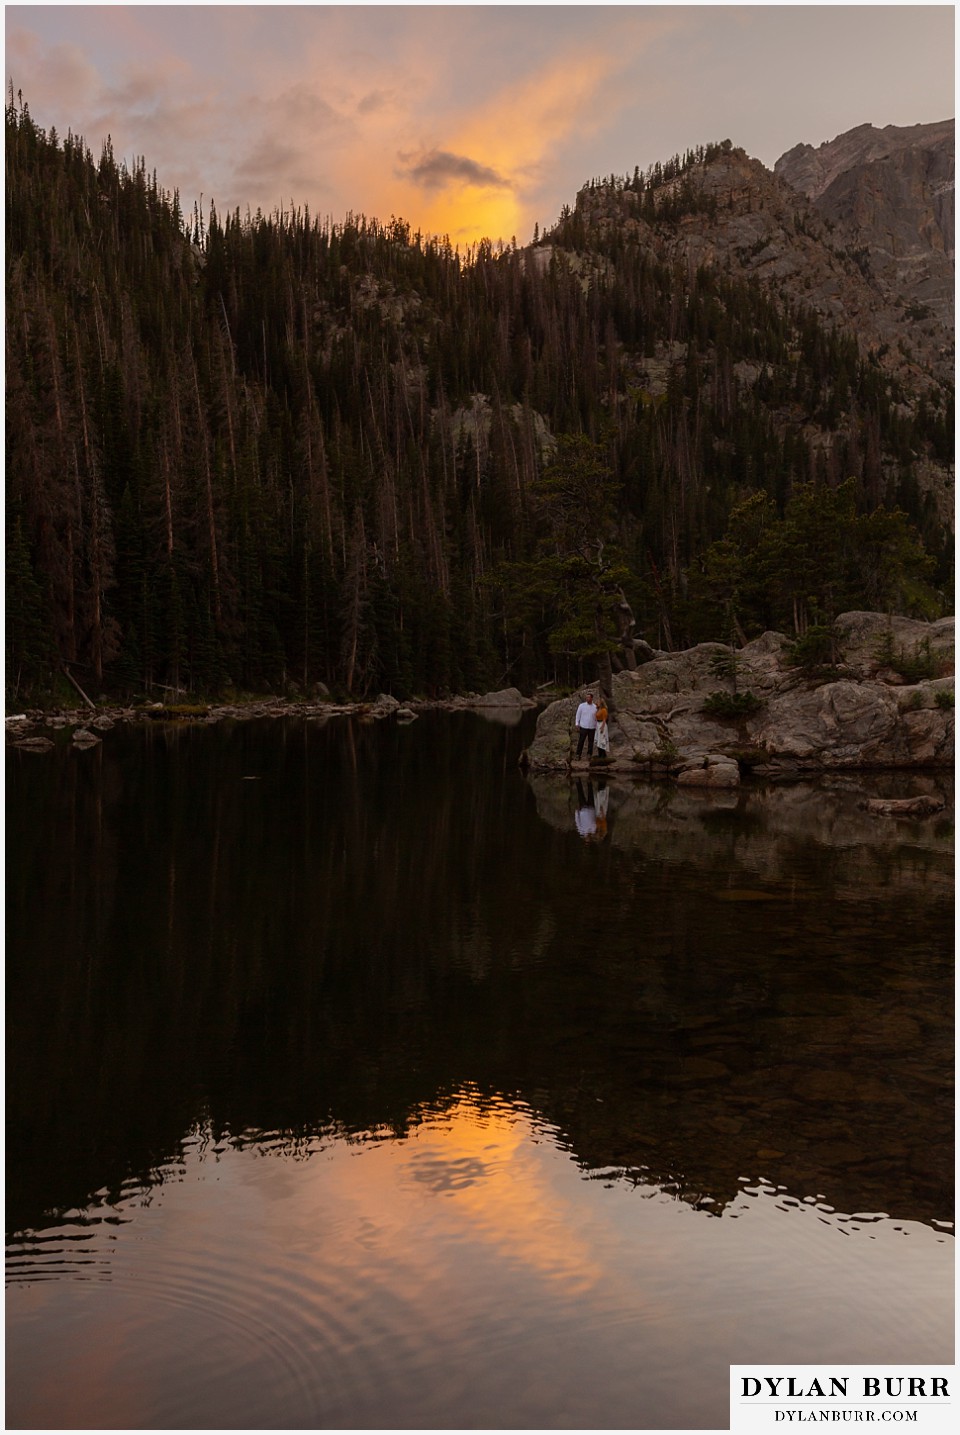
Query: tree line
[{"x": 261, "y": 453}]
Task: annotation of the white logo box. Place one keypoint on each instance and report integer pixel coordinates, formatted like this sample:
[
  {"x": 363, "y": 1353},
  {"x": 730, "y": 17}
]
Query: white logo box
[{"x": 777, "y": 1398}]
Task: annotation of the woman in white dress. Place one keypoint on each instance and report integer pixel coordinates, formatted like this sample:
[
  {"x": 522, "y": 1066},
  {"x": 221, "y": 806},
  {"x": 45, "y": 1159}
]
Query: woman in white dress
[{"x": 603, "y": 732}]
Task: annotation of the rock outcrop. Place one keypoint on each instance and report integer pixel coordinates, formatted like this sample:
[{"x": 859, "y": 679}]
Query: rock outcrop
[
  {"x": 504, "y": 698},
  {"x": 813, "y": 171},
  {"x": 893, "y": 188},
  {"x": 886, "y": 702}
]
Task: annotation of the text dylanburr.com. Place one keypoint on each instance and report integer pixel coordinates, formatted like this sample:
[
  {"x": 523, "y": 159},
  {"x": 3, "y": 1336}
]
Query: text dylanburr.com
[{"x": 767, "y": 1398}]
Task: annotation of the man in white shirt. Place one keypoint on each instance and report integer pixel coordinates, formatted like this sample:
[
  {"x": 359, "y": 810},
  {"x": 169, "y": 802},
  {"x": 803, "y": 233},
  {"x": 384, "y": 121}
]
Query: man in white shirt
[{"x": 586, "y": 721}]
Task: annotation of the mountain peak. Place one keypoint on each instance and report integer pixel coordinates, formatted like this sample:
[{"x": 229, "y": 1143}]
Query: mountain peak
[
  {"x": 893, "y": 190},
  {"x": 812, "y": 170}
]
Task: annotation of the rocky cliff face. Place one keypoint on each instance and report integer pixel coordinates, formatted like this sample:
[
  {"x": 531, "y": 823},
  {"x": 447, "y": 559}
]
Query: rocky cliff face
[
  {"x": 893, "y": 189},
  {"x": 813, "y": 171}
]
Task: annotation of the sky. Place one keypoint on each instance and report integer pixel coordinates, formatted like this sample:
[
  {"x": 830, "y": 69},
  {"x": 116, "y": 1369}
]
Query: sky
[{"x": 465, "y": 120}]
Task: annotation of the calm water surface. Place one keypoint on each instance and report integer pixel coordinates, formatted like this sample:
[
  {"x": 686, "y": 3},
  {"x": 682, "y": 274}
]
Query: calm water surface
[{"x": 349, "y": 1086}]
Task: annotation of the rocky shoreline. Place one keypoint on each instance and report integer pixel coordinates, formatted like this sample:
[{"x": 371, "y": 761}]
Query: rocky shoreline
[
  {"x": 676, "y": 717},
  {"x": 29, "y": 731},
  {"x": 869, "y": 711}
]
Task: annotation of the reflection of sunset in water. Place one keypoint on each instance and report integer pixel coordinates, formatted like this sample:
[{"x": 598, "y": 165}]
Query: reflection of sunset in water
[
  {"x": 462, "y": 1271},
  {"x": 484, "y": 1161},
  {"x": 438, "y": 1116}
]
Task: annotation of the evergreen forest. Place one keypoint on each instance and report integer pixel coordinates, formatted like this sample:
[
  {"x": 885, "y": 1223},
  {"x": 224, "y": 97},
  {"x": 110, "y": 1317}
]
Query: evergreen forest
[{"x": 257, "y": 454}]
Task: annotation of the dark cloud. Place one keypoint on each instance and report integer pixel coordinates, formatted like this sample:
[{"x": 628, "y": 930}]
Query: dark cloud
[
  {"x": 438, "y": 167},
  {"x": 138, "y": 90},
  {"x": 374, "y": 101},
  {"x": 302, "y": 106},
  {"x": 267, "y": 160}
]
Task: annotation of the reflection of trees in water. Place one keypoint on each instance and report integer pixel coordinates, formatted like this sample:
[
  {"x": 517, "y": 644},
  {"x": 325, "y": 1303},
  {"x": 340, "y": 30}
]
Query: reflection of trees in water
[
  {"x": 805, "y": 1038},
  {"x": 382, "y": 916}
]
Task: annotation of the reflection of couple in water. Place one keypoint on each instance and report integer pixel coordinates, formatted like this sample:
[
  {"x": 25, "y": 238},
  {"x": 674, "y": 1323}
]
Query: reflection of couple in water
[{"x": 591, "y": 814}]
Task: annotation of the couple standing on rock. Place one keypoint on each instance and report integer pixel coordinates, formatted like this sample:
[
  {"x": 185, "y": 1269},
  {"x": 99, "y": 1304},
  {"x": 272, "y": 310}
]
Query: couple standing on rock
[{"x": 591, "y": 723}]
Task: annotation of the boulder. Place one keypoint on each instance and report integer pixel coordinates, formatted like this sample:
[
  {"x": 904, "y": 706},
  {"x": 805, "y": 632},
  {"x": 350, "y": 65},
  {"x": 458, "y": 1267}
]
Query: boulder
[
  {"x": 505, "y": 698},
  {"x": 710, "y": 772},
  {"x": 927, "y": 738},
  {"x": 866, "y": 634},
  {"x": 832, "y": 722},
  {"x": 33, "y": 744},
  {"x": 553, "y": 744},
  {"x": 926, "y": 695},
  {"x": 688, "y": 671},
  {"x": 83, "y": 737}
]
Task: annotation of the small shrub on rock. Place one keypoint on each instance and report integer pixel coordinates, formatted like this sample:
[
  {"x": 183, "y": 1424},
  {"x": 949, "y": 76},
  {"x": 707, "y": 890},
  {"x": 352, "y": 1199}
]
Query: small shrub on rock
[
  {"x": 726, "y": 665},
  {"x": 816, "y": 649},
  {"x": 916, "y": 667},
  {"x": 732, "y": 705},
  {"x": 666, "y": 751}
]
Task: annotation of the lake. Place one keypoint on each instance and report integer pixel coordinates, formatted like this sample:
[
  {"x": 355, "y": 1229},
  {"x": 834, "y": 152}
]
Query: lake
[{"x": 356, "y": 1080}]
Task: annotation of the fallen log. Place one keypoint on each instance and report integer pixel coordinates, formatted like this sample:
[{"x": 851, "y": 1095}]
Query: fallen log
[{"x": 74, "y": 684}]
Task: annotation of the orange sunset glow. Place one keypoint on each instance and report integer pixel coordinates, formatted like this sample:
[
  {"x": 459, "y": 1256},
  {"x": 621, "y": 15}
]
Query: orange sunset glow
[{"x": 472, "y": 121}]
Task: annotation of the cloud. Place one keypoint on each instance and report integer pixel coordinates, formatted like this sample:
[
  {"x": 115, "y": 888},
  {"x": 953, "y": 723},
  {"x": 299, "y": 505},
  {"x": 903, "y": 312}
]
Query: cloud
[
  {"x": 374, "y": 101},
  {"x": 268, "y": 159},
  {"x": 165, "y": 135},
  {"x": 438, "y": 168},
  {"x": 300, "y": 105},
  {"x": 142, "y": 88},
  {"x": 60, "y": 73},
  {"x": 513, "y": 134}
]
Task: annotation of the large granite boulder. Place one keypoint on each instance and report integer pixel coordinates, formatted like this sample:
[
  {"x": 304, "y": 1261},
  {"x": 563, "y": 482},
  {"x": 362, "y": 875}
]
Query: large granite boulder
[
  {"x": 505, "y": 698},
  {"x": 850, "y": 724},
  {"x": 869, "y": 639}
]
